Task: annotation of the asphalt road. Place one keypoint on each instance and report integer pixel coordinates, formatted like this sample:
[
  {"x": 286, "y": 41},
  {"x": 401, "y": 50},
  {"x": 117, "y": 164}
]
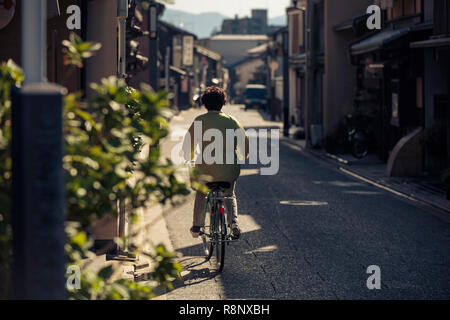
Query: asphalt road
[{"x": 311, "y": 232}]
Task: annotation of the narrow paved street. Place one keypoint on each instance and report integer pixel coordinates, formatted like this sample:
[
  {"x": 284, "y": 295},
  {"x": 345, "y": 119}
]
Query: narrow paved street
[{"x": 311, "y": 232}]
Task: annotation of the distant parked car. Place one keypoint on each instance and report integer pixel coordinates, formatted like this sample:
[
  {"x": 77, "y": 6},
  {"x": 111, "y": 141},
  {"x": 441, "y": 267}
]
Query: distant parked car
[{"x": 255, "y": 96}]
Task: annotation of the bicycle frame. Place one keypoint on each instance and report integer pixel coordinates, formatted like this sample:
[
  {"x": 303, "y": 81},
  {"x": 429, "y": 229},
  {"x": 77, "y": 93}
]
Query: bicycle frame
[
  {"x": 216, "y": 197},
  {"x": 217, "y": 237}
]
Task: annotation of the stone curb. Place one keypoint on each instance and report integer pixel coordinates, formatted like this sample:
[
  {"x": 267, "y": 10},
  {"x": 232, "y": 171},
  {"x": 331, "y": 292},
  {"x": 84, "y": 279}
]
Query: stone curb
[{"x": 346, "y": 165}]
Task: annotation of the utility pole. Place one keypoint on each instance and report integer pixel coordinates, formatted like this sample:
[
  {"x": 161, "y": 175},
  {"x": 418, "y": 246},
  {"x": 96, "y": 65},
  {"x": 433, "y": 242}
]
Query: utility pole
[
  {"x": 310, "y": 66},
  {"x": 153, "y": 53},
  {"x": 121, "y": 253},
  {"x": 37, "y": 173},
  {"x": 167, "y": 69},
  {"x": 122, "y": 15},
  {"x": 286, "y": 83}
]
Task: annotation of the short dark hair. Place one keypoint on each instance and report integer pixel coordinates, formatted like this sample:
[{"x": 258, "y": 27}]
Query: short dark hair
[{"x": 214, "y": 98}]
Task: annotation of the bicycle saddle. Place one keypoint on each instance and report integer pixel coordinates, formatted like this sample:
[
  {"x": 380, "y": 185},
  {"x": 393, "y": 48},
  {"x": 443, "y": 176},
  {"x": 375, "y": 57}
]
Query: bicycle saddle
[{"x": 218, "y": 185}]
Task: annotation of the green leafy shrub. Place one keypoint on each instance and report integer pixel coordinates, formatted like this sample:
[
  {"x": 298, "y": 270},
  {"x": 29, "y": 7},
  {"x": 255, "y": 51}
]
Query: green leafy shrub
[
  {"x": 10, "y": 75},
  {"x": 105, "y": 137},
  {"x": 111, "y": 154},
  {"x": 76, "y": 50}
]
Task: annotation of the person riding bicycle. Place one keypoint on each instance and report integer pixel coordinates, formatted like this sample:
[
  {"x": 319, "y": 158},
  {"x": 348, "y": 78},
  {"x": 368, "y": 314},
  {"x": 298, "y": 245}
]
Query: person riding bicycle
[{"x": 224, "y": 170}]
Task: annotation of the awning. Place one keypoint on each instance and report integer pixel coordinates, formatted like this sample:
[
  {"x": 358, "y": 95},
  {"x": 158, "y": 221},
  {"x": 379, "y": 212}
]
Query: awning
[
  {"x": 173, "y": 29},
  {"x": 378, "y": 41},
  {"x": 178, "y": 70},
  {"x": 208, "y": 53},
  {"x": 431, "y": 43},
  {"x": 351, "y": 23},
  {"x": 346, "y": 25},
  {"x": 297, "y": 59},
  {"x": 258, "y": 50}
]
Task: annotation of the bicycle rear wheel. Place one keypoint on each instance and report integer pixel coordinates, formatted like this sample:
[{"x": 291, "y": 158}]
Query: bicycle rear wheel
[
  {"x": 219, "y": 242},
  {"x": 207, "y": 242}
]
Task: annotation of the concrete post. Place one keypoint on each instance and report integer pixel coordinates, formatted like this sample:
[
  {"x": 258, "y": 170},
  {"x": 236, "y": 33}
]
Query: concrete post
[
  {"x": 37, "y": 174},
  {"x": 38, "y": 192}
]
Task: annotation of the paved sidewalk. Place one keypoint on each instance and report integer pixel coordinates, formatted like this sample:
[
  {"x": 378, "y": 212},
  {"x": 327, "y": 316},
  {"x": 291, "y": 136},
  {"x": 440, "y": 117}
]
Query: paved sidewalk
[{"x": 150, "y": 230}]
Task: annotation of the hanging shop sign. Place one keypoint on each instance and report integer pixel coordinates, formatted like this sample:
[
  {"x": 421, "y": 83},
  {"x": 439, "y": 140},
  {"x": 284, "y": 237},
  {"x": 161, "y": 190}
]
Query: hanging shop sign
[{"x": 188, "y": 51}]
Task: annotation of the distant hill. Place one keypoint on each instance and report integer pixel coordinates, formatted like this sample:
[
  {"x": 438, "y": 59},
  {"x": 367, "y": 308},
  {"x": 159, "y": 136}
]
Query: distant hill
[
  {"x": 278, "y": 21},
  {"x": 203, "y": 24}
]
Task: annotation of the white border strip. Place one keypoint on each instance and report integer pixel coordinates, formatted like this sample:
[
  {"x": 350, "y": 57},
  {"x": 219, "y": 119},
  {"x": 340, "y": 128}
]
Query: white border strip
[{"x": 378, "y": 185}]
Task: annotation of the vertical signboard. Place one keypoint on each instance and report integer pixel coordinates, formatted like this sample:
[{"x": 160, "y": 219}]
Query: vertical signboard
[{"x": 188, "y": 51}]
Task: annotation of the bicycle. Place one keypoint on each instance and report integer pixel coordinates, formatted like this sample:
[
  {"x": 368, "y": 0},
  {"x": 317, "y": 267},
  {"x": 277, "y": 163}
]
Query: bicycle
[{"x": 216, "y": 233}]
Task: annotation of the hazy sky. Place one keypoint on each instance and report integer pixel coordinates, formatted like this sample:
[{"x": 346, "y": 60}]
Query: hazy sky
[{"x": 232, "y": 7}]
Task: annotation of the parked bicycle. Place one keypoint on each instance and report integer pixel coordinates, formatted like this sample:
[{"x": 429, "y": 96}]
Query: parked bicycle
[
  {"x": 358, "y": 135},
  {"x": 215, "y": 233}
]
